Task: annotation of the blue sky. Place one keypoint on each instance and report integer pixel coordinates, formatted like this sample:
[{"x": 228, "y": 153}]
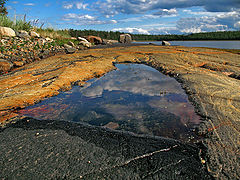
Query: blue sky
[{"x": 134, "y": 16}]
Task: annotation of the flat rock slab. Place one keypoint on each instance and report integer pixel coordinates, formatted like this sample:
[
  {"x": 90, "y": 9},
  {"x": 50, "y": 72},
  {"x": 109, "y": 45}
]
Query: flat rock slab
[
  {"x": 33, "y": 149},
  {"x": 210, "y": 78}
]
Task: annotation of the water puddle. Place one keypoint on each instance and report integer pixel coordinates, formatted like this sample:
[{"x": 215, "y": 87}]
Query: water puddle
[{"x": 135, "y": 98}]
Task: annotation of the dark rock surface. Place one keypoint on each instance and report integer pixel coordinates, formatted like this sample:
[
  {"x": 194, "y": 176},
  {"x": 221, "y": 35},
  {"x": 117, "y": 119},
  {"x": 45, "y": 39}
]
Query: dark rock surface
[{"x": 33, "y": 149}]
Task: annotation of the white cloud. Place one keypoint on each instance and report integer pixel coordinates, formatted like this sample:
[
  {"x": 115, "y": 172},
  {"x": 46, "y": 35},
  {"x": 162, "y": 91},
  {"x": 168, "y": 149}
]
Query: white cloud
[
  {"x": 78, "y": 5},
  {"x": 113, "y": 21},
  {"x": 132, "y": 30},
  {"x": 68, "y": 6},
  {"x": 29, "y": 4},
  {"x": 220, "y": 22},
  {"x": 79, "y": 19},
  {"x": 237, "y": 25},
  {"x": 112, "y": 7},
  {"x": 167, "y": 12}
]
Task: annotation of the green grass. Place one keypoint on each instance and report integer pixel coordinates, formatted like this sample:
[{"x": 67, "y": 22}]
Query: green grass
[
  {"x": 54, "y": 34},
  {"x": 20, "y": 24}
]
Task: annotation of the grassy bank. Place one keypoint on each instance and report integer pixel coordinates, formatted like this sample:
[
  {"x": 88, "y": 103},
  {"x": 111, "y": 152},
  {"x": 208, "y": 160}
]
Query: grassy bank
[{"x": 16, "y": 24}]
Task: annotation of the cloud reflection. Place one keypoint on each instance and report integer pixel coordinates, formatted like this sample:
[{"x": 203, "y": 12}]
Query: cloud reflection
[{"x": 136, "y": 79}]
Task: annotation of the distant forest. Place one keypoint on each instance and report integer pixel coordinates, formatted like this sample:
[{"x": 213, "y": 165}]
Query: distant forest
[{"x": 225, "y": 35}]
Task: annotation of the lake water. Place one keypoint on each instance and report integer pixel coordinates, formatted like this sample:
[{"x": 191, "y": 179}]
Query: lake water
[
  {"x": 135, "y": 98},
  {"x": 210, "y": 44}
]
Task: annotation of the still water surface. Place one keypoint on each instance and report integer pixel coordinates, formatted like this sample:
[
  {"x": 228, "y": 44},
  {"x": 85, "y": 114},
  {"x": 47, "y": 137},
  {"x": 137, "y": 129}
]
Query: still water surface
[
  {"x": 210, "y": 44},
  {"x": 135, "y": 98}
]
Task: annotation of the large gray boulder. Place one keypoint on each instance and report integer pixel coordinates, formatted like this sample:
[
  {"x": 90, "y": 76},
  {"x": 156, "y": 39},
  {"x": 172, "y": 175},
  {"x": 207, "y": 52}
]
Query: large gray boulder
[
  {"x": 6, "y": 31},
  {"x": 165, "y": 43},
  {"x": 125, "y": 38}
]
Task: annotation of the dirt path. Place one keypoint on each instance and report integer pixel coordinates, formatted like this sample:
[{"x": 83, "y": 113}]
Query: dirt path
[{"x": 210, "y": 77}]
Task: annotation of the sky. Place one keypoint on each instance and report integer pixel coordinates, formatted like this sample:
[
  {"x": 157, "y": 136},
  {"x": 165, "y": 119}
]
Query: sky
[{"x": 132, "y": 16}]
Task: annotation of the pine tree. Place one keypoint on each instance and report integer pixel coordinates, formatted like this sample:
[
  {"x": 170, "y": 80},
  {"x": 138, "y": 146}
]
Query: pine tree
[{"x": 3, "y": 9}]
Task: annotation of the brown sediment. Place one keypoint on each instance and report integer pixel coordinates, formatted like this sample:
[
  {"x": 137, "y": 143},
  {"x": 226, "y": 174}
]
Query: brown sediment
[{"x": 209, "y": 76}]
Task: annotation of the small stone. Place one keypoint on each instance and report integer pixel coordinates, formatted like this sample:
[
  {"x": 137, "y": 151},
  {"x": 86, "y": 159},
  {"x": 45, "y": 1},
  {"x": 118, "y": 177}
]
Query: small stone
[
  {"x": 5, "y": 65},
  {"x": 71, "y": 43},
  {"x": 18, "y": 63},
  {"x": 34, "y": 34},
  {"x": 69, "y": 49}
]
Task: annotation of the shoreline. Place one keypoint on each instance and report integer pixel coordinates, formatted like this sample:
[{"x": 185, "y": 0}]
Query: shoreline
[{"x": 197, "y": 69}]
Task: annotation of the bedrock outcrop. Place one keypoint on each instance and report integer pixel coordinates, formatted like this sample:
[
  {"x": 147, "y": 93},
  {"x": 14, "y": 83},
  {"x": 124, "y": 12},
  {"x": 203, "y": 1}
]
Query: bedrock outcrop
[{"x": 209, "y": 77}]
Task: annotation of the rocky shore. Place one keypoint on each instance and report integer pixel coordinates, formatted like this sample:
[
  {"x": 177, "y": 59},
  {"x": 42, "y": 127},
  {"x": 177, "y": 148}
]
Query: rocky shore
[
  {"x": 208, "y": 76},
  {"x": 22, "y": 47}
]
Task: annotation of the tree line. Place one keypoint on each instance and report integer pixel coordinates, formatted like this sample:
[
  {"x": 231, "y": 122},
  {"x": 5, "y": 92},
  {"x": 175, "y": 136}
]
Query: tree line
[{"x": 221, "y": 35}]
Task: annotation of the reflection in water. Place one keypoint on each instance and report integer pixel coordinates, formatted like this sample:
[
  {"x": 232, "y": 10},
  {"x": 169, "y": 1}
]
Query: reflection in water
[{"x": 134, "y": 98}]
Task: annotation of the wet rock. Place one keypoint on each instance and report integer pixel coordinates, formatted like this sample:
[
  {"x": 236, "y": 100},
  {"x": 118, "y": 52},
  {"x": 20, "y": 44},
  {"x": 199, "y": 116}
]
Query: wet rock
[
  {"x": 6, "y": 31},
  {"x": 94, "y": 39},
  {"x": 34, "y": 34},
  {"x": 125, "y": 38},
  {"x": 165, "y": 43},
  {"x": 69, "y": 49},
  {"x": 5, "y": 65}
]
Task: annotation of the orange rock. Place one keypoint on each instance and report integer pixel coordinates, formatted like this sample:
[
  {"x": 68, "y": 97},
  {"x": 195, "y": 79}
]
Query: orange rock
[
  {"x": 5, "y": 65},
  {"x": 94, "y": 39}
]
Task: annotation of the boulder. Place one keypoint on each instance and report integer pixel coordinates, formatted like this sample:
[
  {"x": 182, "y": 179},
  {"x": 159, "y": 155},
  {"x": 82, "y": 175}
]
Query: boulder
[
  {"x": 109, "y": 42},
  {"x": 69, "y": 49},
  {"x": 23, "y": 34},
  {"x": 165, "y": 43},
  {"x": 42, "y": 41},
  {"x": 125, "y": 38},
  {"x": 6, "y": 31},
  {"x": 5, "y": 65},
  {"x": 34, "y": 34},
  {"x": 94, "y": 39},
  {"x": 85, "y": 44},
  {"x": 49, "y": 39},
  {"x": 71, "y": 43},
  {"x": 82, "y": 39}
]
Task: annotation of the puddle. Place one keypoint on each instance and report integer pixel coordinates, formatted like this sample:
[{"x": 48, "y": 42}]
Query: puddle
[{"x": 135, "y": 98}]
